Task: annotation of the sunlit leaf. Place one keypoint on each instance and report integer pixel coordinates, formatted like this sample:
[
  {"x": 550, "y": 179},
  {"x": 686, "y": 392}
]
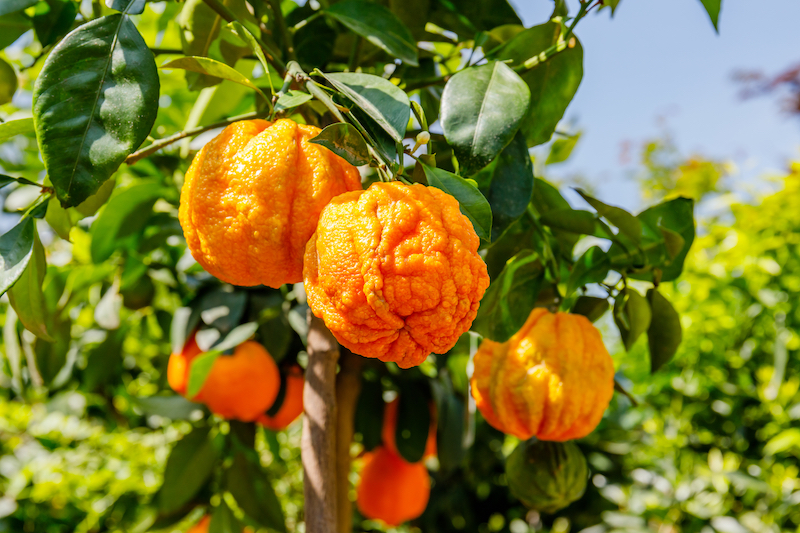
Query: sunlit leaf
[
  {"x": 632, "y": 315},
  {"x": 472, "y": 203},
  {"x": 211, "y": 67},
  {"x": 26, "y": 295},
  {"x": 16, "y": 249}
]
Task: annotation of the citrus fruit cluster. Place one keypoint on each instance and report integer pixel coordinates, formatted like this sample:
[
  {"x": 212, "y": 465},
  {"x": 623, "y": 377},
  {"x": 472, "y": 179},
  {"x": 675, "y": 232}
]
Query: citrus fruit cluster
[
  {"x": 392, "y": 270},
  {"x": 391, "y": 489},
  {"x": 242, "y": 386}
]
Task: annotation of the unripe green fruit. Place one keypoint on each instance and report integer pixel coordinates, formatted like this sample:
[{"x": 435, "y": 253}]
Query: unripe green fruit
[{"x": 547, "y": 476}]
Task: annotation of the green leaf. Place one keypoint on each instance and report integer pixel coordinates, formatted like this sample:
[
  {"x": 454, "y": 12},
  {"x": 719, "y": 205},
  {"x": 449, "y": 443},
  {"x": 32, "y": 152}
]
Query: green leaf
[
  {"x": 369, "y": 414},
  {"x": 676, "y": 216},
  {"x": 131, "y": 7},
  {"x": 673, "y": 241},
  {"x": 12, "y": 26},
  {"x": 8, "y": 82},
  {"x": 572, "y": 220},
  {"x": 552, "y": 83},
  {"x": 248, "y": 37},
  {"x": 546, "y": 197},
  {"x": 591, "y": 307},
  {"x": 786, "y": 440},
  {"x": 237, "y": 336},
  {"x": 15, "y": 127},
  {"x": 199, "y": 371},
  {"x": 93, "y": 104},
  {"x": 450, "y": 431},
  {"x": 482, "y": 109},
  {"x": 26, "y": 295},
  {"x": 510, "y": 298},
  {"x": 345, "y": 141},
  {"x": 174, "y": 407},
  {"x": 125, "y": 214},
  {"x": 413, "y": 423},
  {"x": 471, "y": 202},
  {"x": 252, "y": 489},
  {"x": 379, "y": 98},
  {"x": 16, "y": 249},
  {"x": 632, "y": 316},
  {"x": 591, "y": 267},
  {"x": 52, "y": 19},
  {"x": 291, "y": 99},
  {"x": 211, "y": 67},
  {"x": 104, "y": 361},
  {"x": 12, "y": 6},
  {"x": 221, "y": 309},
  {"x": 223, "y": 520},
  {"x": 713, "y": 8},
  {"x": 665, "y": 332},
  {"x": 378, "y": 25},
  {"x": 189, "y": 465},
  {"x": 628, "y": 225},
  {"x": 562, "y": 149},
  {"x": 510, "y": 185}
]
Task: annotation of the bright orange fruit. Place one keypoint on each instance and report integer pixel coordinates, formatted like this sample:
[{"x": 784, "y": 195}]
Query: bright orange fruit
[
  {"x": 394, "y": 272},
  {"x": 292, "y": 406},
  {"x": 252, "y": 196},
  {"x": 178, "y": 366},
  {"x": 390, "y": 489},
  {"x": 553, "y": 379}
]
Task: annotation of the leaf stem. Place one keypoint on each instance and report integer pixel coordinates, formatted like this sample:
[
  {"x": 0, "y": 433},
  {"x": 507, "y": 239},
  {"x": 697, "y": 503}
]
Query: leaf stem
[
  {"x": 283, "y": 32},
  {"x": 166, "y": 141}
]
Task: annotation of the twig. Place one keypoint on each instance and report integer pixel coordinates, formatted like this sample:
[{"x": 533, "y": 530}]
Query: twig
[
  {"x": 283, "y": 32},
  {"x": 618, "y": 388},
  {"x": 166, "y": 141}
]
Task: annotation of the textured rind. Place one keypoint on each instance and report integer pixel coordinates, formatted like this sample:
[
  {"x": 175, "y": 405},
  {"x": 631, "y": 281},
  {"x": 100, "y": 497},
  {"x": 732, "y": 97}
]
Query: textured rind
[
  {"x": 292, "y": 406},
  {"x": 394, "y": 272},
  {"x": 391, "y": 489},
  {"x": 553, "y": 379},
  {"x": 547, "y": 476},
  {"x": 252, "y": 196}
]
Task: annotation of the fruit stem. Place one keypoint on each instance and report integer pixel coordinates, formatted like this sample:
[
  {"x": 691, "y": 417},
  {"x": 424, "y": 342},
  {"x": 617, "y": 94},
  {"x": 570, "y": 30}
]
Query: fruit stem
[
  {"x": 318, "y": 445},
  {"x": 348, "y": 387}
]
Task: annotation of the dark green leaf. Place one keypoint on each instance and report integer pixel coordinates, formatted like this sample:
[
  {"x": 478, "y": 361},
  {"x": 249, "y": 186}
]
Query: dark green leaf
[
  {"x": 183, "y": 323},
  {"x": 8, "y": 82},
  {"x": 345, "y": 141},
  {"x": 472, "y": 203},
  {"x": 450, "y": 432},
  {"x": 125, "y": 214},
  {"x": 546, "y": 197},
  {"x": 52, "y": 19},
  {"x": 482, "y": 108},
  {"x": 131, "y": 7},
  {"x": 572, "y": 220},
  {"x": 591, "y": 267},
  {"x": 16, "y": 249},
  {"x": 713, "y": 8},
  {"x": 378, "y": 25},
  {"x": 291, "y": 99},
  {"x": 51, "y": 357},
  {"x": 223, "y": 520},
  {"x": 11, "y": 6},
  {"x": 212, "y": 67},
  {"x": 631, "y": 315},
  {"x": 413, "y": 423},
  {"x": 380, "y": 99},
  {"x": 251, "y": 487},
  {"x": 237, "y": 336},
  {"x": 510, "y": 298},
  {"x": 562, "y": 149},
  {"x": 628, "y": 224},
  {"x": 590, "y": 307},
  {"x": 222, "y": 310},
  {"x": 552, "y": 83},
  {"x": 510, "y": 184},
  {"x": 665, "y": 332},
  {"x": 26, "y": 295},
  {"x": 676, "y": 216},
  {"x": 93, "y": 104},
  {"x": 369, "y": 414},
  {"x": 104, "y": 361},
  {"x": 189, "y": 465},
  {"x": 199, "y": 371},
  {"x": 673, "y": 241},
  {"x": 174, "y": 407},
  {"x": 12, "y": 26}
]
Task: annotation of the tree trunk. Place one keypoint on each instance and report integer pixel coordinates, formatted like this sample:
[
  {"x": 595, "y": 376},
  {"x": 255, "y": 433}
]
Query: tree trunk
[
  {"x": 348, "y": 387},
  {"x": 319, "y": 429}
]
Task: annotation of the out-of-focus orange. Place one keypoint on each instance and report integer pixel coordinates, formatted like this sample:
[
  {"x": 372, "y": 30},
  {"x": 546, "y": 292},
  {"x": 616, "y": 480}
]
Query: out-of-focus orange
[{"x": 292, "y": 406}]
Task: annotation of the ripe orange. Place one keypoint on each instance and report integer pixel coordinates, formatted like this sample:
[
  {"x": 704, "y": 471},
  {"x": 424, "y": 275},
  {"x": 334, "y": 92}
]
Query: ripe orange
[
  {"x": 292, "y": 406},
  {"x": 178, "y": 365}
]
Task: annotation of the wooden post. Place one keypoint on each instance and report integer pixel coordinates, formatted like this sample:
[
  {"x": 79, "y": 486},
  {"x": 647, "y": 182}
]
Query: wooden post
[
  {"x": 319, "y": 429},
  {"x": 348, "y": 387}
]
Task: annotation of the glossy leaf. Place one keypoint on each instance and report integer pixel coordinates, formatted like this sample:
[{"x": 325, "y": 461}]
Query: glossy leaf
[
  {"x": 591, "y": 267},
  {"x": 562, "y": 149},
  {"x": 12, "y": 6},
  {"x": 510, "y": 184},
  {"x": 676, "y": 216},
  {"x": 369, "y": 414},
  {"x": 16, "y": 249},
  {"x": 665, "y": 332},
  {"x": 15, "y": 127},
  {"x": 93, "y": 104},
  {"x": 211, "y": 67},
  {"x": 413, "y": 423},
  {"x": 631, "y": 315},
  {"x": 378, "y": 25},
  {"x": 572, "y": 220},
  {"x": 591, "y": 307},
  {"x": 345, "y": 141},
  {"x": 472, "y": 203},
  {"x": 131, "y": 7},
  {"x": 379, "y": 98},
  {"x": 26, "y": 295},
  {"x": 189, "y": 465},
  {"x": 450, "y": 434},
  {"x": 510, "y": 298},
  {"x": 291, "y": 99},
  {"x": 124, "y": 215},
  {"x": 52, "y": 19},
  {"x": 12, "y": 26},
  {"x": 8, "y": 82},
  {"x": 628, "y": 224},
  {"x": 482, "y": 109},
  {"x": 252, "y": 489},
  {"x": 552, "y": 83},
  {"x": 713, "y": 8}
]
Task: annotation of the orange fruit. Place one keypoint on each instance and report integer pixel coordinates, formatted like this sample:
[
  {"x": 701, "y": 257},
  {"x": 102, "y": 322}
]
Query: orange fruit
[
  {"x": 394, "y": 272},
  {"x": 205, "y": 522},
  {"x": 390, "y": 489},
  {"x": 178, "y": 365},
  {"x": 390, "y": 429},
  {"x": 292, "y": 406},
  {"x": 552, "y": 380},
  {"x": 252, "y": 196}
]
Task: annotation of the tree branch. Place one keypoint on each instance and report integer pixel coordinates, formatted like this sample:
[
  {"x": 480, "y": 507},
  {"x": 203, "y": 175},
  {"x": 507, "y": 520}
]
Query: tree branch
[{"x": 348, "y": 387}]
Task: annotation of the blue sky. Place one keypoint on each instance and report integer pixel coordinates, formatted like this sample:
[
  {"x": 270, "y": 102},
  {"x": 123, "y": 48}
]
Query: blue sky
[{"x": 659, "y": 66}]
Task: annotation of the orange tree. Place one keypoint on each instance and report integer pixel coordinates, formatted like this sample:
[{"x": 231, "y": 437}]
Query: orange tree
[{"x": 442, "y": 238}]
